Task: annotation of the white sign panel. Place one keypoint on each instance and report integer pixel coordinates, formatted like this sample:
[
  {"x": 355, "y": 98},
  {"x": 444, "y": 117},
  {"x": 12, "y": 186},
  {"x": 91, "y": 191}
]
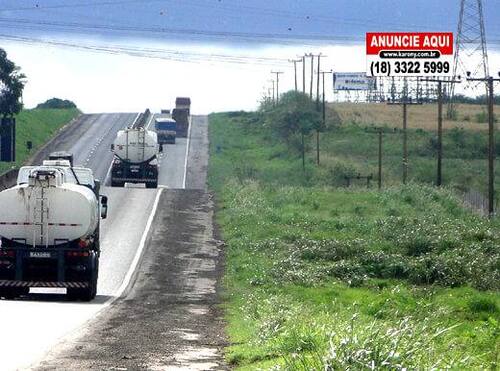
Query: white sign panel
[
  {"x": 406, "y": 54},
  {"x": 352, "y": 81}
]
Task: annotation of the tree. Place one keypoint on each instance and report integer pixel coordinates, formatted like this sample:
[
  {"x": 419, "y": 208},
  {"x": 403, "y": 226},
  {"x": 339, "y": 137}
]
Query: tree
[
  {"x": 12, "y": 83},
  {"x": 57, "y": 103},
  {"x": 294, "y": 114}
]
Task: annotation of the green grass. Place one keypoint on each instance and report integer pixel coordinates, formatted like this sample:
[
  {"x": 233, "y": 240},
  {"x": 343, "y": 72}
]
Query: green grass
[
  {"x": 318, "y": 276},
  {"x": 38, "y": 126},
  {"x": 352, "y": 149}
]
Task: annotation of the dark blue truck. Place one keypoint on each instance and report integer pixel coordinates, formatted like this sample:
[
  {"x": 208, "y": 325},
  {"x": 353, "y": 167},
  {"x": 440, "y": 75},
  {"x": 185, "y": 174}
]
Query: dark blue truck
[{"x": 166, "y": 130}]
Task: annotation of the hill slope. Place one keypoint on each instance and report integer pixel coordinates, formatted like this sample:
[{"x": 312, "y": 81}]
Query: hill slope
[{"x": 38, "y": 126}]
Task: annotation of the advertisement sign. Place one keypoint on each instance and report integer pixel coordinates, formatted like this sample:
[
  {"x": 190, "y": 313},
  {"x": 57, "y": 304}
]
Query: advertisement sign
[
  {"x": 352, "y": 81},
  {"x": 409, "y": 54}
]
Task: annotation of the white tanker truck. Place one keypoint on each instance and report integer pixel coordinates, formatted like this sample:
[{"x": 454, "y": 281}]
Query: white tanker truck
[
  {"x": 136, "y": 158},
  {"x": 49, "y": 230}
]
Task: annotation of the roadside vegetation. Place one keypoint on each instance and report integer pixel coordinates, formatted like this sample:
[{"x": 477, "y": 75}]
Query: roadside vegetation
[
  {"x": 57, "y": 103},
  {"x": 323, "y": 277},
  {"x": 37, "y": 126}
]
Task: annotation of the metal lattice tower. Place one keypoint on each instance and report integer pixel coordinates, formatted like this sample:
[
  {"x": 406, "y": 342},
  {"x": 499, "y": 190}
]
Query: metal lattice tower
[{"x": 470, "y": 49}]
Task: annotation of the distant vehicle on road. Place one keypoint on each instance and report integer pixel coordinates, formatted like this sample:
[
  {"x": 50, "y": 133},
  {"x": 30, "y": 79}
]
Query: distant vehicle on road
[
  {"x": 136, "y": 158},
  {"x": 165, "y": 112},
  {"x": 50, "y": 236},
  {"x": 181, "y": 114},
  {"x": 166, "y": 130},
  {"x": 183, "y": 103}
]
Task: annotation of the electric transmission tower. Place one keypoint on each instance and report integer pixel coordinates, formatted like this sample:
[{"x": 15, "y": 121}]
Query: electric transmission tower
[{"x": 470, "y": 49}]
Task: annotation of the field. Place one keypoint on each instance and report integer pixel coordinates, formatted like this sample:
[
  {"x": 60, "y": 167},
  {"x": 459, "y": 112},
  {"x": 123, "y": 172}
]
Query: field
[
  {"x": 468, "y": 116},
  {"x": 323, "y": 277},
  {"x": 351, "y": 145},
  {"x": 38, "y": 126}
]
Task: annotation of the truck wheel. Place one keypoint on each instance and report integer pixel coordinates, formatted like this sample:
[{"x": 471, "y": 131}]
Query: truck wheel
[{"x": 89, "y": 293}]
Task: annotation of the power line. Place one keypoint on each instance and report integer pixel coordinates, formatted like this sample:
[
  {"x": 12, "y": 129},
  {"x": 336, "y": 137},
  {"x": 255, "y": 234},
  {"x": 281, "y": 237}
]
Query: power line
[
  {"x": 182, "y": 31},
  {"x": 168, "y": 54},
  {"x": 80, "y": 5}
]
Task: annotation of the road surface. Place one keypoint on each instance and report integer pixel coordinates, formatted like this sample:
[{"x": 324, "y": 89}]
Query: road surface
[
  {"x": 36, "y": 323},
  {"x": 172, "y": 318}
]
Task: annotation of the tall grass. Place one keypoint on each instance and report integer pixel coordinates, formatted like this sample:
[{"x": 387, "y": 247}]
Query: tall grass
[{"x": 324, "y": 277}]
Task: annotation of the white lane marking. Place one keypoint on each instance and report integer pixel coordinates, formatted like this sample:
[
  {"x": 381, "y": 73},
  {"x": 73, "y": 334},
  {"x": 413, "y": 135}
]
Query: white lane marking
[
  {"x": 138, "y": 253},
  {"x": 187, "y": 153}
]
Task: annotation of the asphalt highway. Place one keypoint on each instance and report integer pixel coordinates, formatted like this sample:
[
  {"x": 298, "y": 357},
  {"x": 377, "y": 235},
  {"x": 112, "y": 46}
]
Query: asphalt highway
[
  {"x": 37, "y": 322},
  {"x": 172, "y": 171}
]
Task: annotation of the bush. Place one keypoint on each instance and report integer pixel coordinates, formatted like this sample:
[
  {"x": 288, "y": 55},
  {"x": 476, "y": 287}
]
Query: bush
[{"x": 57, "y": 103}]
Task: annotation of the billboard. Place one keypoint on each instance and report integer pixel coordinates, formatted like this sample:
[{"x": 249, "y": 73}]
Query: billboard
[
  {"x": 8, "y": 139},
  {"x": 409, "y": 54},
  {"x": 352, "y": 81}
]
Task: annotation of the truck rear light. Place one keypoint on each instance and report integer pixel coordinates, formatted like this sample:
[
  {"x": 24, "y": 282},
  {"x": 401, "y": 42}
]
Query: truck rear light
[
  {"x": 77, "y": 254},
  {"x": 83, "y": 243},
  {"x": 8, "y": 253}
]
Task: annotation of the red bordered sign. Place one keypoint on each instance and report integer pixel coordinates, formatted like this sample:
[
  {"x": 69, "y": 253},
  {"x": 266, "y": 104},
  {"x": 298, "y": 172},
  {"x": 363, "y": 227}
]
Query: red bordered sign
[{"x": 409, "y": 53}]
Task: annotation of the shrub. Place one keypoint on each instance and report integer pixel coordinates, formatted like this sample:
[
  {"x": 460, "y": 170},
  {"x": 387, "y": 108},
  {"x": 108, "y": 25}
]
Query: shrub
[{"x": 57, "y": 103}]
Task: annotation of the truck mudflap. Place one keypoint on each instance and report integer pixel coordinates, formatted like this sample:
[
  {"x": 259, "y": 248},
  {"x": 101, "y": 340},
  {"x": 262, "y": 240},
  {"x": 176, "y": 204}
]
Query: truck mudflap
[{"x": 11, "y": 283}]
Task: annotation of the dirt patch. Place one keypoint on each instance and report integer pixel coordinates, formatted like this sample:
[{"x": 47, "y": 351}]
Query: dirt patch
[{"x": 198, "y": 154}]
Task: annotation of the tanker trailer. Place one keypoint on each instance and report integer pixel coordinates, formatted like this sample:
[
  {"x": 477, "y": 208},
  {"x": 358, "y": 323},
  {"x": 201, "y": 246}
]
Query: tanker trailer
[
  {"x": 45, "y": 243},
  {"x": 135, "y": 158}
]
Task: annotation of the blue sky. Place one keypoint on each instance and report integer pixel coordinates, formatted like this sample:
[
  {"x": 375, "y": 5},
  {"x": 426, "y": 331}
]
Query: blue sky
[
  {"x": 126, "y": 55},
  {"x": 336, "y": 20}
]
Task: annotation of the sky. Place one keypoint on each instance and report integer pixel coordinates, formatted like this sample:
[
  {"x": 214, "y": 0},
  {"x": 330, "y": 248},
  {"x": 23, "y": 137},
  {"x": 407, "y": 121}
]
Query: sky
[{"x": 128, "y": 55}]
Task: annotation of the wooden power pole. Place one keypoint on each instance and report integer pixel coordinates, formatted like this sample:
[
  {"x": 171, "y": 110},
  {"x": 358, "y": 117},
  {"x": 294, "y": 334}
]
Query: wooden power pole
[
  {"x": 491, "y": 141},
  {"x": 295, "y": 61},
  {"x": 323, "y": 114},
  {"x": 439, "y": 175},
  {"x": 405, "y": 102},
  {"x": 278, "y": 73},
  {"x": 304, "y": 74}
]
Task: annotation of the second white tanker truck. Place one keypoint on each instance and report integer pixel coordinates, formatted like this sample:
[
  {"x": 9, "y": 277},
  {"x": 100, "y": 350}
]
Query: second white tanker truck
[
  {"x": 49, "y": 230},
  {"x": 136, "y": 158}
]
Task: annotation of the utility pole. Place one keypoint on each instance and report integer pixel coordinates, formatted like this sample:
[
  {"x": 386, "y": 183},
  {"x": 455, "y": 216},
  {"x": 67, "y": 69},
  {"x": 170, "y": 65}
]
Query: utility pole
[
  {"x": 295, "y": 61},
  {"x": 491, "y": 140},
  {"x": 405, "y": 102},
  {"x": 312, "y": 75},
  {"x": 439, "y": 177},
  {"x": 317, "y": 82},
  {"x": 272, "y": 81},
  {"x": 380, "y": 158},
  {"x": 304, "y": 74},
  {"x": 324, "y": 114},
  {"x": 278, "y": 73},
  {"x": 380, "y": 134}
]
